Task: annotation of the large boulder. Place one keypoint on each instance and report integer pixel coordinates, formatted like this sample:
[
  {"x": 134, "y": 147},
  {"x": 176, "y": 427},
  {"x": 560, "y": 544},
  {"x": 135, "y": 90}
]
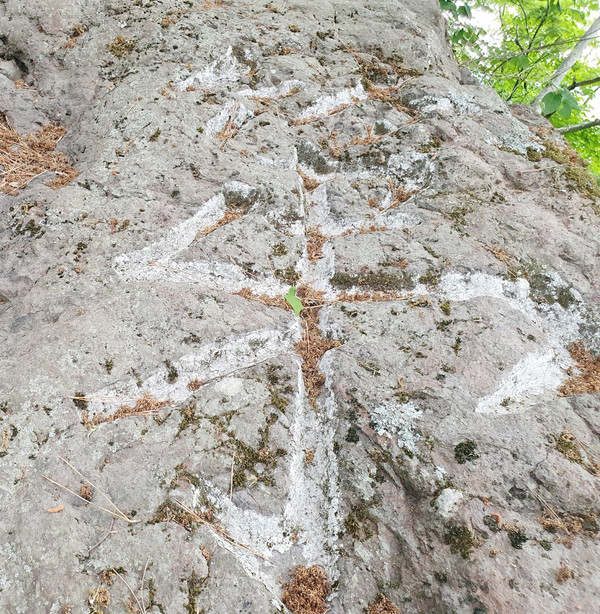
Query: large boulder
[{"x": 174, "y": 437}]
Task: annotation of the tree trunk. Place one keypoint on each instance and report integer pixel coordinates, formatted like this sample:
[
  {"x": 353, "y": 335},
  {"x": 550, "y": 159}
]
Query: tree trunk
[
  {"x": 416, "y": 438},
  {"x": 568, "y": 63}
]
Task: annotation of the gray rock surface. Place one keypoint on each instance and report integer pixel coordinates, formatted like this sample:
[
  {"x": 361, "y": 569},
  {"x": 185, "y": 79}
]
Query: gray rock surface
[{"x": 227, "y": 150}]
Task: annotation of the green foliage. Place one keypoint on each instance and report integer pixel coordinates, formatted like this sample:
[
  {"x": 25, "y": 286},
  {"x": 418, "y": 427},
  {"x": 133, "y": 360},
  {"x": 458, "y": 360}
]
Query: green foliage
[
  {"x": 533, "y": 38},
  {"x": 560, "y": 101}
]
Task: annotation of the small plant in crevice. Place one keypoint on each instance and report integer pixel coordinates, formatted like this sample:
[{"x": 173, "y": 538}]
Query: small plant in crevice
[
  {"x": 564, "y": 573},
  {"x": 172, "y": 373},
  {"x": 352, "y": 435},
  {"x": 80, "y": 401},
  {"x": 120, "y": 46},
  {"x": 360, "y": 522},
  {"x": 195, "y": 585},
  {"x": 145, "y": 406},
  {"x": 572, "y": 523}
]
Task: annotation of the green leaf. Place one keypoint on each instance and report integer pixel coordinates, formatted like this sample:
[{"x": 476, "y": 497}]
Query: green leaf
[
  {"x": 550, "y": 102},
  {"x": 294, "y": 301},
  {"x": 568, "y": 99},
  {"x": 521, "y": 61},
  {"x": 465, "y": 11},
  {"x": 568, "y": 103},
  {"x": 447, "y": 5}
]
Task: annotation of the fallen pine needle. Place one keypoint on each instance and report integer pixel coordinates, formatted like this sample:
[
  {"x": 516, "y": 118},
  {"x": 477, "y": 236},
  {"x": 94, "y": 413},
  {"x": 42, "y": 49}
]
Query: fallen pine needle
[
  {"x": 219, "y": 531},
  {"x": 114, "y": 512},
  {"x": 140, "y": 605}
]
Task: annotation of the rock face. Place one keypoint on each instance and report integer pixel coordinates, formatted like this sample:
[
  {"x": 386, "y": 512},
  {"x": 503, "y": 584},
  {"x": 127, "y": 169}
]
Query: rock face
[{"x": 427, "y": 428}]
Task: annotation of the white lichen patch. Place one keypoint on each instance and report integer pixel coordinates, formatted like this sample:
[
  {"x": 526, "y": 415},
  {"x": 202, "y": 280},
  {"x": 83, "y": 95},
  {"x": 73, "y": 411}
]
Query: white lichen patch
[
  {"x": 233, "y": 114},
  {"x": 531, "y": 376},
  {"x": 519, "y": 140},
  {"x": 397, "y": 421},
  {"x": 239, "y": 187},
  {"x": 448, "y": 502},
  {"x": 158, "y": 262},
  {"x": 134, "y": 265},
  {"x": 540, "y": 371},
  {"x": 225, "y": 69},
  {"x": 319, "y": 214},
  {"x": 286, "y": 88},
  {"x": 412, "y": 168},
  {"x": 210, "y": 362},
  {"x": 451, "y": 103},
  {"x": 317, "y": 275},
  {"x": 283, "y": 163},
  {"x": 326, "y": 105},
  {"x": 264, "y": 534},
  {"x": 307, "y": 509}
]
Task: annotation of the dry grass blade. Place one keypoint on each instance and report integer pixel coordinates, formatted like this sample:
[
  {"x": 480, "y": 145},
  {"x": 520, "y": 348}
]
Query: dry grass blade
[
  {"x": 310, "y": 184},
  {"x": 228, "y": 217},
  {"x": 231, "y": 485},
  {"x": 140, "y": 605},
  {"x": 373, "y": 297},
  {"x": 265, "y": 299},
  {"x": 314, "y": 244},
  {"x": 503, "y": 257},
  {"x": 144, "y": 406},
  {"x": 102, "y": 398},
  {"x": 116, "y": 515},
  {"x": 104, "y": 538},
  {"x": 313, "y": 345},
  {"x": 114, "y": 512},
  {"x": 24, "y": 158},
  {"x": 553, "y": 521},
  {"x": 546, "y": 505},
  {"x": 97, "y": 488},
  {"x": 369, "y": 138},
  {"x": 314, "y": 118},
  {"x": 230, "y": 129},
  {"x": 220, "y": 532},
  {"x": 588, "y": 381}
]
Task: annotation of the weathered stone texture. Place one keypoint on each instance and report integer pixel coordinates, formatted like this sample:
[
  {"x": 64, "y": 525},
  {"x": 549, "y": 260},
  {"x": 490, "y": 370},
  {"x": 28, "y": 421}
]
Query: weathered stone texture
[{"x": 229, "y": 150}]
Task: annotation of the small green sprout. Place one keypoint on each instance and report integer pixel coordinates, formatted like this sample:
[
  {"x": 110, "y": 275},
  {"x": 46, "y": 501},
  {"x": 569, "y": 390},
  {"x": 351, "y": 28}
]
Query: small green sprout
[{"x": 294, "y": 301}]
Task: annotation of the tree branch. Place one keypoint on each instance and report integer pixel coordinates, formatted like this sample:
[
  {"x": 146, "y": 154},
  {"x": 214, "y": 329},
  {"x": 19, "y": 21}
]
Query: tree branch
[
  {"x": 568, "y": 62},
  {"x": 577, "y": 84},
  {"x": 578, "y": 127}
]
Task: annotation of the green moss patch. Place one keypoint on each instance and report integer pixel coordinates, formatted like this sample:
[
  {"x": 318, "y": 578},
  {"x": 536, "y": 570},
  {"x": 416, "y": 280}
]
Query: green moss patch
[
  {"x": 380, "y": 281},
  {"x": 465, "y": 451},
  {"x": 460, "y": 540}
]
